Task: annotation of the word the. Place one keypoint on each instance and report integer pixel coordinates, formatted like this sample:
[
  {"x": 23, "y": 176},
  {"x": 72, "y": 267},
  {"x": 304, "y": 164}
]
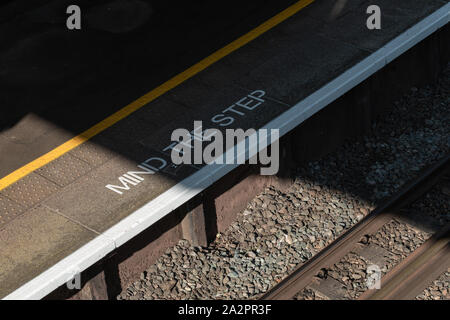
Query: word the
[
  {"x": 226, "y": 117},
  {"x": 257, "y": 142}
]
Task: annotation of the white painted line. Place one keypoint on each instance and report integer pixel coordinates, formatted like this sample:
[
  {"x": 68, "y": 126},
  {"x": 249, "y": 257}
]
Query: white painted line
[{"x": 179, "y": 194}]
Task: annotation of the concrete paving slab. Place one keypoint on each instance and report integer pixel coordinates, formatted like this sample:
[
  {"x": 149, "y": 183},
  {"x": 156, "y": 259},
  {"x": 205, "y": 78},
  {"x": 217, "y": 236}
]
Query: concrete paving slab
[
  {"x": 238, "y": 64},
  {"x": 47, "y": 57},
  {"x": 92, "y": 204},
  {"x": 227, "y": 107},
  {"x": 28, "y": 129},
  {"x": 329, "y": 10},
  {"x": 292, "y": 59},
  {"x": 33, "y": 243},
  {"x": 9, "y": 210},
  {"x": 10, "y": 9},
  {"x": 92, "y": 153},
  {"x": 64, "y": 170},
  {"x": 142, "y": 124},
  {"x": 396, "y": 17},
  {"x": 49, "y": 12},
  {"x": 302, "y": 67},
  {"x": 136, "y": 151},
  {"x": 30, "y": 190},
  {"x": 119, "y": 16},
  {"x": 159, "y": 112},
  {"x": 87, "y": 69},
  {"x": 209, "y": 103},
  {"x": 160, "y": 138},
  {"x": 19, "y": 154}
]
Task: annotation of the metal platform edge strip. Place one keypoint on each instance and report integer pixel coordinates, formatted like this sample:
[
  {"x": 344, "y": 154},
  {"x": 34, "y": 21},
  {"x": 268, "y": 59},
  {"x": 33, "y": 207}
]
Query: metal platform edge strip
[{"x": 179, "y": 194}]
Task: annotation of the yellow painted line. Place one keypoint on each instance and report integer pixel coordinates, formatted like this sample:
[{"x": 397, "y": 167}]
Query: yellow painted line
[{"x": 152, "y": 95}]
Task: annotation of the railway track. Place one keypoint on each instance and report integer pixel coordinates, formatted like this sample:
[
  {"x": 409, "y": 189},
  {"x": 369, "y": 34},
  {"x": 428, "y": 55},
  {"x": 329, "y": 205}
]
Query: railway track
[{"x": 409, "y": 277}]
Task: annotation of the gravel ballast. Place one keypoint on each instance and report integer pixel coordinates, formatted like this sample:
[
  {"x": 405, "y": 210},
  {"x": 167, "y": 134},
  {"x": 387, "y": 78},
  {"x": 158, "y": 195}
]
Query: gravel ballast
[
  {"x": 438, "y": 290},
  {"x": 278, "y": 230}
]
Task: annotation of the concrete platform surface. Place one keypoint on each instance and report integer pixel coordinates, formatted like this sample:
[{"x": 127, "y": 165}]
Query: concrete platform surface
[{"x": 55, "y": 210}]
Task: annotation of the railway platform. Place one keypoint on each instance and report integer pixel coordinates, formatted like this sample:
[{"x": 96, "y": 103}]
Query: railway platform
[{"x": 87, "y": 183}]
